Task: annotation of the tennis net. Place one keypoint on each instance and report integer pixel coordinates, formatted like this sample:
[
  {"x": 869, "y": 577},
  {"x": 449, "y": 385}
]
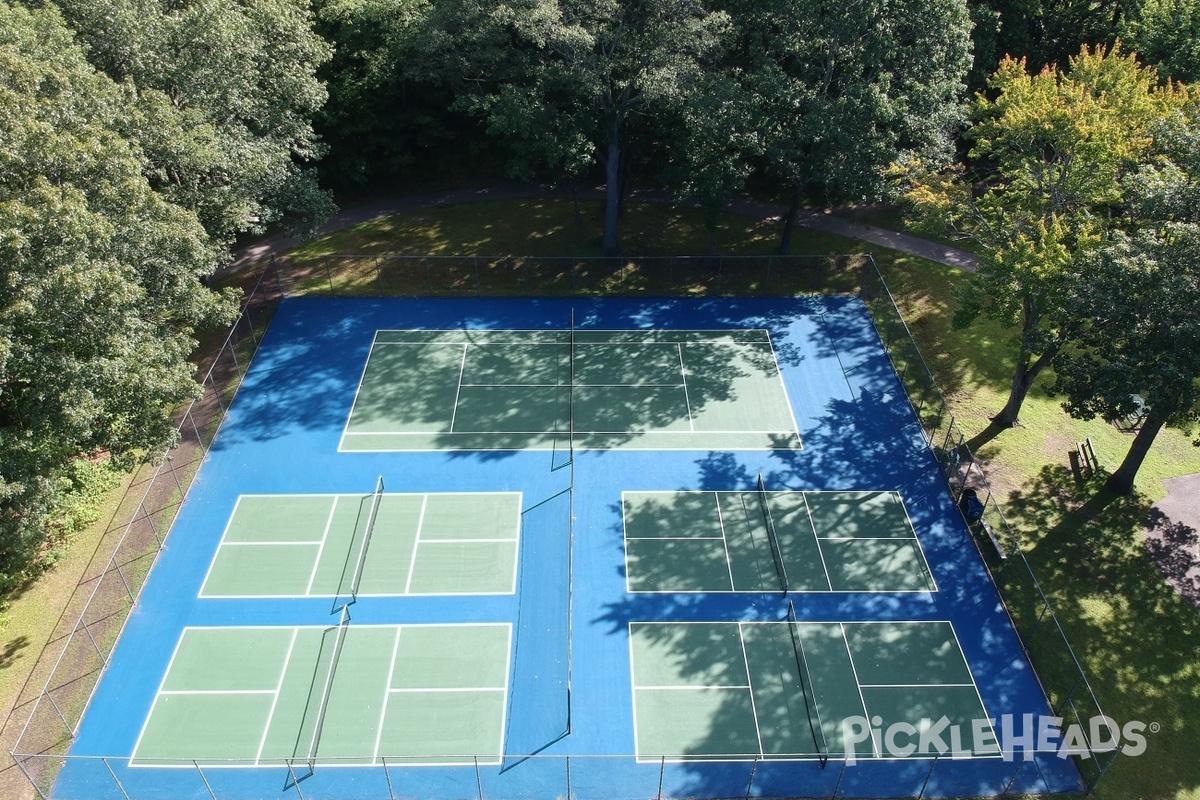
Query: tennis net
[
  {"x": 366, "y": 541},
  {"x": 811, "y": 709},
  {"x": 772, "y": 536},
  {"x": 327, "y": 687}
]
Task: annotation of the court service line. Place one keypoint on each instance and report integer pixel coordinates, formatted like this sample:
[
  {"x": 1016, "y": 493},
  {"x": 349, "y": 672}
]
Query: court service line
[
  {"x": 876, "y": 748},
  {"x": 695, "y": 687},
  {"x": 412, "y": 563},
  {"x": 465, "y": 541},
  {"x": 663, "y": 539},
  {"x": 462, "y": 366},
  {"x": 312, "y": 576},
  {"x": 753, "y": 705},
  {"x": 867, "y": 538},
  {"x": 278, "y": 688},
  {"x": 725, "y": 542},
  {"x": 920, "y": 547},
  {"x": 580, "y": 432},
  {"x": 446, "y": 689},
  {"x": 270, "y": 544},
  {"x": 971, "y": 672},
  {"x": 386, "y": 694},
  {"x": 817, "y": 539}
]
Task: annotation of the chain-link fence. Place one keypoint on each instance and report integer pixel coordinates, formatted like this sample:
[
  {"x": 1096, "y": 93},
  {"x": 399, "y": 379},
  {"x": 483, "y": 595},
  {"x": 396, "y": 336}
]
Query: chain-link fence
[
  {"x": 78, "y": 654},
  {"x": 74, "y": 661},
  {"x": 1058, "y": 669},
  {"x": 586, "y": 777}
]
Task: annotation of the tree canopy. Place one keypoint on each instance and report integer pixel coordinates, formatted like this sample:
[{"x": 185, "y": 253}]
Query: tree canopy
[{"x": 100, "y": 272}]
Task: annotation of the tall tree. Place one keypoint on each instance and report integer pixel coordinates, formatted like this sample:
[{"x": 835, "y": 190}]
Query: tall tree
[
  {"x": 101, "y": 295},
  {"x": 226, "y": 95},
  {"x": 1045, "y": 170},
  {"x": 585, "y": 70},
  {"x": 842, "y": 92},
  {"x": 1166, "y": 35},
  {"x": 1142, "y": 305}
]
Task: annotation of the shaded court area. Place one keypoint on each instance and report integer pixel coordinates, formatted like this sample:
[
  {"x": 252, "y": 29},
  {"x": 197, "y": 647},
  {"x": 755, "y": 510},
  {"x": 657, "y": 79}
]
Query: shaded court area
[
  {"x": 801, "y": 690},
  {"x": 339, "y": 545},
  {"x": 772, "y": 541},
  {"x": 517, "y": 390}
]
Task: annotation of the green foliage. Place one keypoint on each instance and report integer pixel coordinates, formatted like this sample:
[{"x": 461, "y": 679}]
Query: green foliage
[
  {"x": 226, "y": 91},
  {"x": 100, "y": 280},
  {"x": 1051, "y": 150},
  {"x": 1166, "y": 34}
]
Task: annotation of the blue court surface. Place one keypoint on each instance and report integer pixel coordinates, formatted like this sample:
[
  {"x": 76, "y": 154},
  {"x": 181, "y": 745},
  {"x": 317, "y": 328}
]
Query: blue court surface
[{"x": 467, "y": 549}]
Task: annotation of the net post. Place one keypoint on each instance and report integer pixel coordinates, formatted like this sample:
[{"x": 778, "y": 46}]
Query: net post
[
  {"x": 295, "y": 780},
  {"x": 478, "y": 777},
  {"x": 662, "y": 773},
  {"x": 387, "y": 777},
  {"x": 772, "y": 536},
  {"x": 323, "y": 706},
  {"x": 817, "y": 727}
]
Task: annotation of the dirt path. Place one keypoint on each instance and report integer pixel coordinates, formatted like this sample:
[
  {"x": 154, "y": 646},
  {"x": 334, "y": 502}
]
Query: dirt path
[{"x": 824, "y": 222}]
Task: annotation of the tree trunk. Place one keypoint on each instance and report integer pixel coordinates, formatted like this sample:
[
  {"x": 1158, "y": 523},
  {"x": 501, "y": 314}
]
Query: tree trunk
[
  {"x": 789, "y": 224},
  {"x": 612, "y": 193},
  {"x": 1121, "y": 481},
  {"x": 1025, "y": 373}
]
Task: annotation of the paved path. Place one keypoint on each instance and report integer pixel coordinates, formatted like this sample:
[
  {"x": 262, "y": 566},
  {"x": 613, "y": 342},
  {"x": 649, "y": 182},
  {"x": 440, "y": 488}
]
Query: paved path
[
  {"x": 825, "y": 222},
  {"x": 1172, "y": 533}
]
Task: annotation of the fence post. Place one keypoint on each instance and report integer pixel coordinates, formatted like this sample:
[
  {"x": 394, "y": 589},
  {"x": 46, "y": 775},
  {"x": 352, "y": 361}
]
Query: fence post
[
  {"x": 57, "y": 710},
  {"x": 750, "y": 783},
  {"x": 116, "y": 780},
  {"x": 925, "y": 785},
  {"x": 720, "y": 274},
  {"x": 21, "y": 765},
  {"x": 379, "y": 277},
  {"x": 329, "y": 276},
  {"x": 767, "y": 279},
  {"x": 387, "y": 776},
  {"x": 200, "y": 772}
]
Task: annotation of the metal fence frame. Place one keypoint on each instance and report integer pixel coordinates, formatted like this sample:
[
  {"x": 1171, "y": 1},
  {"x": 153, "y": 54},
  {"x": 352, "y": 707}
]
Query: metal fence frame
[{"x": 83, "y": 653}]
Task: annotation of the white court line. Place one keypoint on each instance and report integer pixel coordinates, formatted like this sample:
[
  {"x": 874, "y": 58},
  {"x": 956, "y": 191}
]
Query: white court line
[
  {"x": 362, "y": 376},
  {"x": 464, "y": 541},
  {"x": 312, "y": 576},
  {"x": 971, "y": 672},
  {"x": 694, "y": 687},
  {"x": 154, "y": 704},
  {"x": 783, "y": 386},
  {"x": 278, "y": 688},
  {"x": 412, "y": 563},
  {"x": 217, "y": 691},
  {"x": 920, "y": 547},
  {"x": 686, "y": 398},
  {"x": 724, "y": 541},
  {"x": 753, "y": 705},
  {"x": 817, "y": 539},
  {"x": 876, "y": 747},
  {"x": 916, "y": 685},
  {"x": 577, "y": 432},
  {"x": 386, "y": 694},
  {"x": 674, "y": 538},
  {"x": 270, "y": 544},
  {"x": 462, "y": 366},
  {"x": 446, "y": 689}
]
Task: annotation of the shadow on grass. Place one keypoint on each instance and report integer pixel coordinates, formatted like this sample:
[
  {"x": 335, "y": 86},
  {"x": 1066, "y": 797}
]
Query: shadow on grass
[{"x": 1136, "y": 637}]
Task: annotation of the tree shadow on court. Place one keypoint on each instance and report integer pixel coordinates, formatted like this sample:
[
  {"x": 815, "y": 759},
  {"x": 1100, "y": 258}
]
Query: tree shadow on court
[
  {"x": 301, "y": 379},
  {"x": 1135, "y": 636}
]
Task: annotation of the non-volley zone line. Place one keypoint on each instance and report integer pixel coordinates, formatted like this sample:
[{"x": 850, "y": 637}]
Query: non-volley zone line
[
  {"x": 513, "y": 390},
  {"x": 722, "y": 541},
  {"x": 317, "y": 545},
  {"x": 256, "y": 696},
  {"x": 738, "y": 690}
]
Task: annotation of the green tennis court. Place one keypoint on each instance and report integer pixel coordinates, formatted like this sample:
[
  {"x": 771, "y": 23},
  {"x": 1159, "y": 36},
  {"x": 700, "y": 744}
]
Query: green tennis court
[
  {"x": 428, "y": 694},
  {"x": 707, "y": 690},
  {"x": 763, "y": 541},
  {"x": 516, "y": 390},
  {"x": 396, "y": 544}
]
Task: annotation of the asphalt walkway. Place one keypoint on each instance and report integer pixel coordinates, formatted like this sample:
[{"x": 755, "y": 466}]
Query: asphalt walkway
[{"x": 814, "y": 220}]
